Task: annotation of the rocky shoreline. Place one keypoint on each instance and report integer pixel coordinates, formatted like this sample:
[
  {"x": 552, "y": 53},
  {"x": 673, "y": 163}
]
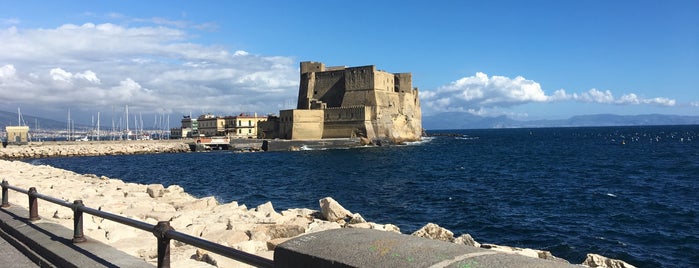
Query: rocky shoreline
[
  {"x": 255, "y": 230},
  {"x": 92, "y": 148}
]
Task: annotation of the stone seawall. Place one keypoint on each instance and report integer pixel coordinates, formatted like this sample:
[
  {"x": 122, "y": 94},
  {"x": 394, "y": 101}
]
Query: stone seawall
[{"x": 92, "y": 148}]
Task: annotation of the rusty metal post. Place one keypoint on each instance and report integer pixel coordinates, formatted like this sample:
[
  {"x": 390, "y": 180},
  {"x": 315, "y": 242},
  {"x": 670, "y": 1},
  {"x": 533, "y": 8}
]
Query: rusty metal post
[
  {"x": 33, "y": 205},
  {"x": 78, "y": 236},
  {"x": 160, "y": 231},
  {"x": 5, "y": 202}
]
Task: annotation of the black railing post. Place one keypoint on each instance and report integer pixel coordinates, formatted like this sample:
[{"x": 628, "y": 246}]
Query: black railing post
[
  {"x": 78, "y": 236},
  {"x": 5, "y": 202},
  {"x": 160, "y": 231},
  {"x": 33, "y": 205}
]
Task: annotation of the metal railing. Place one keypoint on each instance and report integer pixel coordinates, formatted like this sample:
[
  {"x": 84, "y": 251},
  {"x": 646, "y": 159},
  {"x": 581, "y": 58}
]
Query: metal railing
[{"x": 162, "y": 230}]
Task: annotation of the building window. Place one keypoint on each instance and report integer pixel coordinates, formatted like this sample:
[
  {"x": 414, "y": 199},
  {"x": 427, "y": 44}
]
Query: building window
[
  {"x": 250, "y": 130},
  {"x": 249, "y": 122}
]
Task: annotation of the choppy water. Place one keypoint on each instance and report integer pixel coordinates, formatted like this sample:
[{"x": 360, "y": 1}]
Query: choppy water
[{"x": 624, "y": 192}]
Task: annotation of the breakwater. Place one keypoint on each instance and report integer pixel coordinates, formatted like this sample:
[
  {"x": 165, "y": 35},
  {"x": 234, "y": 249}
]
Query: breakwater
[{"x": 92, "y": 148}]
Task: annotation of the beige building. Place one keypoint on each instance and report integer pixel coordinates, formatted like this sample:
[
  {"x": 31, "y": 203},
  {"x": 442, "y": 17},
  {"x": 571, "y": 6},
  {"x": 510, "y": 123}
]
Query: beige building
[
  {"x": 243, "y": 126},
  {"x": 17, "y": 134},
  {"x": 211, "y": 125},
  {"x": 344, "y": 102}
]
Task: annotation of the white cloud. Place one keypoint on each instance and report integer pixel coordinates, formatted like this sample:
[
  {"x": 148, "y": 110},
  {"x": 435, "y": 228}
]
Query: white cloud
[
  {"x": 480, "y": 94},
  {"x": 150, "y": 68},
  {"x": 7, "y": 72}
]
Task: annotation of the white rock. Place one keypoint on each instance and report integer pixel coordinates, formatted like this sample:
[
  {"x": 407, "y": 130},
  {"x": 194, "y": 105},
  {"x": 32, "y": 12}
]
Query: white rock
[
  {"x": 466, "y": 239},
  {"x": 318, "y": 225},
  {"x": 155, "y": 190},
  {"x": 433, "y": 231},
  {"x": 356, "y": 218},
  {"x": 332, "y": 210},
  {"x": 595, "y": 260}
]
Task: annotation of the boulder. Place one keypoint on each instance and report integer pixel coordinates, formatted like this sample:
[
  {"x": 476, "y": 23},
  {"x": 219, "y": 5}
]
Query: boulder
[
  {"x": 433, "y": 231},
  {"x": 595, "y": 260},
  {"x": 155, "y": 190},
  {"x": 466, "y": 239},
  {"x": 274, "y": 231},
  {"x": 318, "y": 225},
  {"x": 332, "y": 210},
  {"x": 356, "y": 218}
]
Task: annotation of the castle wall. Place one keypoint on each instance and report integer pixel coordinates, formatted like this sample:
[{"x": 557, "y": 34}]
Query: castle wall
[
  {"x": 346, "y": 122},
  {"x": 384, "y": 81},
  {"x": 329, "y": 87},
  {"x": 301, "y": 124}
]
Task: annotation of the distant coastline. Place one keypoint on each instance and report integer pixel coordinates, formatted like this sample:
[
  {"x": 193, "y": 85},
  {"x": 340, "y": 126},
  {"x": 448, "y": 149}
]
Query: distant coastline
[{"x": 457, "y": 120}]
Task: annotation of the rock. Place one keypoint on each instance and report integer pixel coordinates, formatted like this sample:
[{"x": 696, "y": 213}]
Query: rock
[
  {"x": 391, "y": 228},
  {"x": 280, "y": 230},
  {"x": 266, "y": 208},
  {"x": 356, "y": 218},
  {"x": 318, "y": 225},
  {"x": 155, "y": 190},
  {"x": 595, "y": 260},
  {"x": 466, "y": 239},
  {"x": 433, "y": 231},
  {"x": 361, "y": 225},
  {"x": 513, "y": 250},
  {"x": 332, "y": 210},
  {"x": 273, "y": 243},
  {"x": 199, "y": 204},
  {"x": 203, "y": 256}
]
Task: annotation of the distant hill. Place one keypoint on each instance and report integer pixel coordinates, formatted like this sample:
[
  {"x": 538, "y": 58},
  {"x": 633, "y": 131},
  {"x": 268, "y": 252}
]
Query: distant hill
[
  {"x": 456, "y": 120},
  {"x": 449, "y": 120},
  {"x": 10, "y": 119}
]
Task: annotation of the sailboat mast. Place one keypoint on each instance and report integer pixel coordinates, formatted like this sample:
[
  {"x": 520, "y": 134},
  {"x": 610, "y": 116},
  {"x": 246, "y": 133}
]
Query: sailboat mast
[
  {"x": 127, "y": 122},
  {"x": 98, "y": 126},
  {"x": 68, "y": 126}
]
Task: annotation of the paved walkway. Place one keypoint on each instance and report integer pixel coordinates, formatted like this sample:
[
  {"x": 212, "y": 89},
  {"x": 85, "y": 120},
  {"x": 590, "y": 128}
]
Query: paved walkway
[{"x": 11, "y": 256}]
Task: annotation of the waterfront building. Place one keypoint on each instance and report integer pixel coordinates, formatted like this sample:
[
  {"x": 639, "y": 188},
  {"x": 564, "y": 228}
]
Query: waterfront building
[
  {"x": 210, "y": 125},
  {"x": 243, "y": 126},
  {"x": 17, "y": 135}
]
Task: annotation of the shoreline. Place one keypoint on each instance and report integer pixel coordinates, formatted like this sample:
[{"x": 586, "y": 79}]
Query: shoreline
[
  {"x": 255, "y": 230},
  {"x": 92, "y": 148}
]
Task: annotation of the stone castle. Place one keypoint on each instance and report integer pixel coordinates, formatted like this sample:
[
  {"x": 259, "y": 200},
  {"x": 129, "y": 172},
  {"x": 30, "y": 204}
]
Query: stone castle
[{"x": 347, "y": 102}]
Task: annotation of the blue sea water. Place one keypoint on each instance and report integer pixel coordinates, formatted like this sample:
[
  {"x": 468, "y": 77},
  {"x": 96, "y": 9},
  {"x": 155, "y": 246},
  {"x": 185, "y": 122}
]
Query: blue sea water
[{"x": 629, "y": 193}]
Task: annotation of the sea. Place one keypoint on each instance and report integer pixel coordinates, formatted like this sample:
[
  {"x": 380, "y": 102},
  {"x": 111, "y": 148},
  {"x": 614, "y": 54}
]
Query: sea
[{"x": 628, "y": 193}]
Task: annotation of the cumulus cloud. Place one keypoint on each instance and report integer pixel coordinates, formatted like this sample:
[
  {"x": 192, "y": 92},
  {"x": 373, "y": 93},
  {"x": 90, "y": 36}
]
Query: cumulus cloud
[
  {"x": 481, "y": 95},
  {"x": 156, "y": 67}
]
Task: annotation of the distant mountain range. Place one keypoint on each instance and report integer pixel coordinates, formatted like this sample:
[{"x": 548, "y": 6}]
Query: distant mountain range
[
  {"x": 451, "y": 120},
  {"x": 456, "y": 120},
  {"x": 10, "y": 119}
]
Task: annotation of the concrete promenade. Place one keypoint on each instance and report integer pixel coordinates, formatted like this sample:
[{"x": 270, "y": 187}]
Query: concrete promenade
[
  {"x": 11, "y": 255},
  {"x": 45, "y": 244}
]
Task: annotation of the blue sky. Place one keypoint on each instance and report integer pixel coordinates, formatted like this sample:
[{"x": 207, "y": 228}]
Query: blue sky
[{"x": 524, "y": 59}]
